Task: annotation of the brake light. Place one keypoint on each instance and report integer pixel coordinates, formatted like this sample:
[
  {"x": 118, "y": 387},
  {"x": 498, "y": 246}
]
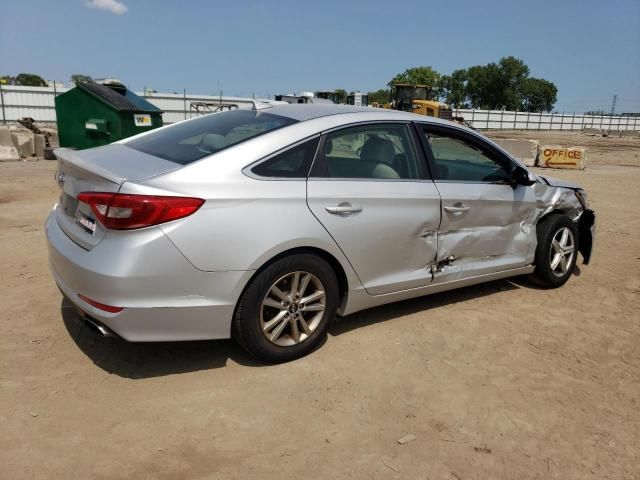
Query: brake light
[
  {"x": 100, "y": 306},
  {"x": 125, "y": 212}
]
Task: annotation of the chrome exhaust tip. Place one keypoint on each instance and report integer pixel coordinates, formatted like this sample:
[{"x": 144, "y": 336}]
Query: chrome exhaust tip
[{"x": 100, "y": 329}]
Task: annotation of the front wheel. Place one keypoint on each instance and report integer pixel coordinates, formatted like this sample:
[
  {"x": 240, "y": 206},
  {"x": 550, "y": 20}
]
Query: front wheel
[
  {"x": 556, "y": 252},
  {"x": 285, "y": 311}
]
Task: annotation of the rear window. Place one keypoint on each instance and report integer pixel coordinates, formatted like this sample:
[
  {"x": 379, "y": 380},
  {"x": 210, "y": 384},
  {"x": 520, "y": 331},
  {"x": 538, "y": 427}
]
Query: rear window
[{"x": 190, "y": 141}]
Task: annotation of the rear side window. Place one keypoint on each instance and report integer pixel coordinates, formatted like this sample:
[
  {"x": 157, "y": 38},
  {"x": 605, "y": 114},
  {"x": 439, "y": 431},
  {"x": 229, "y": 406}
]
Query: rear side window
[
  {"x": 190, "y": 141},
  {"x": 294, "y": 163},
  {"x": 369, "y": 152}
]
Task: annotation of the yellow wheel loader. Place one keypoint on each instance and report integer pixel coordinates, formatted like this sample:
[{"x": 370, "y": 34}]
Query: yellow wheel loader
[{"x": 413, "y": 98}]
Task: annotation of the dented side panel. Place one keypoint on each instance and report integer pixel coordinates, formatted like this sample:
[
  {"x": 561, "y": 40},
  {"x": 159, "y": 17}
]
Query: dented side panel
[
  {"x": 498, "y": 230},
  {"x": 390, "y": 237},
  {"x": 485, "y": 228}
]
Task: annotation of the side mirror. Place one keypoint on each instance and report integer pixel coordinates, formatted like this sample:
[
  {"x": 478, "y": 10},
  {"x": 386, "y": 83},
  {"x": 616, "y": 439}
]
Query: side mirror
[{"x": 520, "y": 176}]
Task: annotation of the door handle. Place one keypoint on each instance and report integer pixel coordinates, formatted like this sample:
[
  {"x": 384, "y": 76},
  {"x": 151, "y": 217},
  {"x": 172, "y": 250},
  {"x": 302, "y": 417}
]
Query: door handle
[
  {"x": 344, "y": 209},
  {"x": 457, "y": 208}
]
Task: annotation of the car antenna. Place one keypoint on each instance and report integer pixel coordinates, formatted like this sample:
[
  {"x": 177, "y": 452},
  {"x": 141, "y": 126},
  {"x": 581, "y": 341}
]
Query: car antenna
[{"x": 260, "y": 105}]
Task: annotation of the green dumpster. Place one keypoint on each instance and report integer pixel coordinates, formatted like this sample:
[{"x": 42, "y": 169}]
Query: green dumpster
[{"x": 93, "y": 114}]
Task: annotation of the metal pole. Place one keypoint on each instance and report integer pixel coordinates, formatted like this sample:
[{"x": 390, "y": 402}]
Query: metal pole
[
  {"x": 501, "y": 117},
  {"x": 184, "y": 102},
  {"x": 573, "y": 119},
  {"x": 4, "y": 119},
  {"x": 527, "y": 126},
  {"x": 539, "y": 121},
  {"x": 55, "y": 94},
  {"x": 561, "y": 121},
  {"x": 515, "y": 119}
]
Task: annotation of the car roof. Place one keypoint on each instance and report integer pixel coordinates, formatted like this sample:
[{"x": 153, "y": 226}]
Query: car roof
[{"x": 308, "y": 111}]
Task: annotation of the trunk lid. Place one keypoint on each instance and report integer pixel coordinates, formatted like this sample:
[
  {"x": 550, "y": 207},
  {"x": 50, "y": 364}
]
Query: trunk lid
[{"x": 102, "y": 169}]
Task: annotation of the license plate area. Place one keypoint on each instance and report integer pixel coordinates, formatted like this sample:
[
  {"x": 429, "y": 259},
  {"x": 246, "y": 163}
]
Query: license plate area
[{"x": 87, "y": 223}]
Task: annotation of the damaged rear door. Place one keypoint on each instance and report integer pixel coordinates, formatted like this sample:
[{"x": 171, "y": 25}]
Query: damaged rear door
[
  {"x": 487, "y": 223},
  {"x": 368, "y": 188}
]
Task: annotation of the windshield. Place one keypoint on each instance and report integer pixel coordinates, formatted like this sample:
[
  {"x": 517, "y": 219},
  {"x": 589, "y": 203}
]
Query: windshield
[
  {"x": 408, "y": 94},
  {"x": 190, "y": 141}
]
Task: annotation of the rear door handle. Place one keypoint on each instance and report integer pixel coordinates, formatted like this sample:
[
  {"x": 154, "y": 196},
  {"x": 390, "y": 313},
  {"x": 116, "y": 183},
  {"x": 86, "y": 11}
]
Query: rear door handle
[
  {"x": 457, "y": 208},
  {"x": 344, "y": 209}
]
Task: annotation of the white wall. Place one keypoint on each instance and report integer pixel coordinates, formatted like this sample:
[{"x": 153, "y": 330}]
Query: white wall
[
  {"x": 505, "y": 120},
  {"x": 37, "y": 102}
]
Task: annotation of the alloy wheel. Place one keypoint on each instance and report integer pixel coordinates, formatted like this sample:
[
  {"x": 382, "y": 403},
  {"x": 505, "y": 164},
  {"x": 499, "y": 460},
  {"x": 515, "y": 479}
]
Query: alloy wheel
[
  {"x": 292, "y": 309},
  {"x": 561, "y": 252}
]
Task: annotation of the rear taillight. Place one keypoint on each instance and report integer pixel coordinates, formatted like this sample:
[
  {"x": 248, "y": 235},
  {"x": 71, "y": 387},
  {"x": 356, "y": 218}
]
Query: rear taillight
[{"x": 125, "y": 212}]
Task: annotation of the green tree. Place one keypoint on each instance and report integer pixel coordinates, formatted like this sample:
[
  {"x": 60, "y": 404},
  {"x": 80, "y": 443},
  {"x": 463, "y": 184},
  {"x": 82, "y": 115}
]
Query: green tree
[
  {"x": 7, "y": 80},
  {"x": 512, "y": 74},
  {"x": 484, "y": 86},
  {"x": 507, "y": 85},
  {"x": 380, "y": 96},
  {"x": 424, "y": 75},
  {"x": 30, "y": 80},
  {"x": 79, "y": 78},
  {"x": 453, "y": 88},
  {"x": 538, "y": 95}
]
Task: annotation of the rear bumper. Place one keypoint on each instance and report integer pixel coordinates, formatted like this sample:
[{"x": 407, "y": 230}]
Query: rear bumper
[{"x": 164, "y": 297}]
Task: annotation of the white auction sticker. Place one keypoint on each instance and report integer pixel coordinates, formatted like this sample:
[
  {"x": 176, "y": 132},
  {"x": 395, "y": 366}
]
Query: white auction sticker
[{"x": 142, "y": 119}]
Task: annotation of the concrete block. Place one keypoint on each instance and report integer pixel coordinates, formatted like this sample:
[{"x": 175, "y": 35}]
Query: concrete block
[
  {"x": 524, "y": 150},
  {"x": 9, "y": 154},
  {"x": 555, "y": 156},
  {"x": 23, "y": 143},
  {"x": 591, "y": 131},
  {"x": 613, "y": 133},
  {"x": 39, "y": 144},
  {"x": 5, "y": 137},
  {"x": 630, "y": 133}
]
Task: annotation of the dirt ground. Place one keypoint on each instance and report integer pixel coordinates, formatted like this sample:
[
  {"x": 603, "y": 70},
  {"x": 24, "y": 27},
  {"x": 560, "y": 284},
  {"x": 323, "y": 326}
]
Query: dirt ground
[{"x": 496, "y": 381}]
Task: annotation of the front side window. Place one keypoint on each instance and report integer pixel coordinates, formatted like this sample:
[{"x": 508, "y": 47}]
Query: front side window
[
  {"x": 458, "y": 159},
  {"x": 369, "y": 152},
  {"x": 294, "y": 163},
  {"x": 187, "y": 142}
]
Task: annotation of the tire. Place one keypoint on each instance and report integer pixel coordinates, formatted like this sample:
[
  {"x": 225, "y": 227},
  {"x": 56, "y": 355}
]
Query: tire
[
  {"x": 554, "y": 261},
  {"x": 272, "y": 324}
]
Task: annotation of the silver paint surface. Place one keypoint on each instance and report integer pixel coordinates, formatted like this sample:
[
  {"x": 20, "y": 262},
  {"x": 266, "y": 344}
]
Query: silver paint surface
[{"x": 182, "y": 280}]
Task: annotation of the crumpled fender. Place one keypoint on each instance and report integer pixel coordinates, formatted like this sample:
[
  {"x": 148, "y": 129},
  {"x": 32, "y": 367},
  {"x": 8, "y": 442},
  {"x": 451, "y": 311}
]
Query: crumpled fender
[{"x": 553, "y": 194}]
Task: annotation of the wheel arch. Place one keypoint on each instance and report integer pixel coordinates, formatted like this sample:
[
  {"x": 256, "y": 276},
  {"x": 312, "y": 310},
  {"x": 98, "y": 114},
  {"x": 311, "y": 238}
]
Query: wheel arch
[
  {"x": 334, "y": 263},
  {"x": 555, "y": 211}
]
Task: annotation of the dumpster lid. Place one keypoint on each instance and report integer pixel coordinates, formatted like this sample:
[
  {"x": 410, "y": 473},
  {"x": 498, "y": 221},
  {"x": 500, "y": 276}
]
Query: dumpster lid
[{"x": 127, "y": 102}]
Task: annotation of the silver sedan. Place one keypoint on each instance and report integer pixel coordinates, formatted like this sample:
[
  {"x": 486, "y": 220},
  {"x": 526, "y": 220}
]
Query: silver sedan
[{"x": 264, "y": 224}]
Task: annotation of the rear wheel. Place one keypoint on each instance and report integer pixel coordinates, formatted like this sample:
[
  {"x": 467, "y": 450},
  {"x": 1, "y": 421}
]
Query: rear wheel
[
  {"x": 285, "y": 312},
  {"x": 556, "y": 252}
]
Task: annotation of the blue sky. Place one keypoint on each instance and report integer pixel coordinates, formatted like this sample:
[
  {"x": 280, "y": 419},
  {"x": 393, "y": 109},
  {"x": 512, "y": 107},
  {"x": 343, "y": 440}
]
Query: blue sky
[{"x": 589, "y": 49}]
